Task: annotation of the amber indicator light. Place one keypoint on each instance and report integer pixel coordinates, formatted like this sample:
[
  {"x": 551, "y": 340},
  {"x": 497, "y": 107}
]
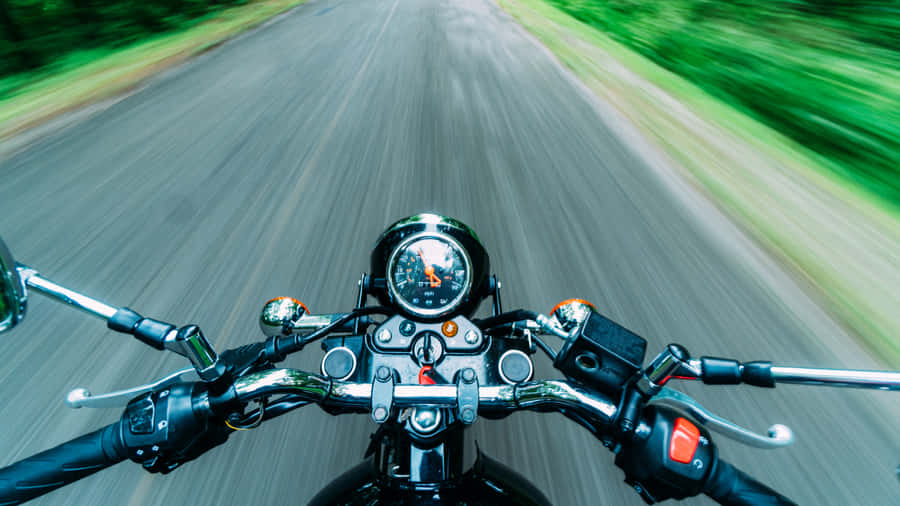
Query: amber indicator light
[{"x": 449, "y": 328}]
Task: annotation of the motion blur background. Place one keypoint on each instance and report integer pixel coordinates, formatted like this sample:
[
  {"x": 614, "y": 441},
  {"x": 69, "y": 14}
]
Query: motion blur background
[{"x": 721, "y": 174}]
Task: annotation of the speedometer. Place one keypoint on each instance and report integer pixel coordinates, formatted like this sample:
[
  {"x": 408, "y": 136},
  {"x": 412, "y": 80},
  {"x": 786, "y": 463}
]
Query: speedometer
[{"x": 429, "y": 275}]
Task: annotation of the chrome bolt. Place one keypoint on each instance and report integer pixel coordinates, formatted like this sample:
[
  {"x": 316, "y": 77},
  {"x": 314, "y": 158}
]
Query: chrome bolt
[
  {"x": 384, "y": 335},
  {"x": 425, "y": 419},
  {"x": 471, "y": 337},
  {"x": 467, "y": 415},
  {"x": 382, "y": 373},
  {"x": 380, "y": 413},
  {"x": 468, "y": 375},
  {"x": 162, "y": 425}
]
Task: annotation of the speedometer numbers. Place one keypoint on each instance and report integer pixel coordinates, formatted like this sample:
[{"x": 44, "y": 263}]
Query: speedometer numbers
[{"x": 429, "y": 275}]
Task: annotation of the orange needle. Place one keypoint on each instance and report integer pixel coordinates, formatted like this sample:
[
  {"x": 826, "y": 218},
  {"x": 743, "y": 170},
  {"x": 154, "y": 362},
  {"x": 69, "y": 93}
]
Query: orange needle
[{"x": 435, "y": 281}]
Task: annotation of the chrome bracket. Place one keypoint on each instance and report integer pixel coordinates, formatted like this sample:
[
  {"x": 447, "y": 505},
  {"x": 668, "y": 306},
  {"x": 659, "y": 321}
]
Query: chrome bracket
[
  {"x": 382, "y": 394},
  {"x": 779, "y": 435},
  {"x": 467, "y": 395},
  {"x": 82, "y": 398}
]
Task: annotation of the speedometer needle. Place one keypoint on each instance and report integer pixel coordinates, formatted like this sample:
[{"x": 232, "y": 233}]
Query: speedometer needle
[{"x": 435, "y": 281}]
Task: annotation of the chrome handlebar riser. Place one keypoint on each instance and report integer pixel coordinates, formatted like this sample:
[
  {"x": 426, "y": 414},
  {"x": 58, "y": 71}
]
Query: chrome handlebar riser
[
  {"x": 673, "y": 362},
  {"x": 190, "y": 342}
]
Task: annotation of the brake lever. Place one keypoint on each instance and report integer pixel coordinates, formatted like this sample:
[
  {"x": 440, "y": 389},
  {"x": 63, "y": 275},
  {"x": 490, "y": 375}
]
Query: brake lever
[
  {"x": 82, "y": 398},
  {"x": 779, "y": 435}
]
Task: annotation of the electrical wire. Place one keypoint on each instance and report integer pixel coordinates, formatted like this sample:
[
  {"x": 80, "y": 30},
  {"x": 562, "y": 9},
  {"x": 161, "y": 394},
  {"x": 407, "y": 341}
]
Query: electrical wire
[{"x": 544, "y": 347}]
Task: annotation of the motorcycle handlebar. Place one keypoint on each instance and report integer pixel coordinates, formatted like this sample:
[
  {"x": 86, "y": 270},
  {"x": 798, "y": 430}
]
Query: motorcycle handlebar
[
  {"x": 83, "y": 456},
  {"x": 730, "y": 486},
  {"x": 536, "y": 395},
  {"x": 64, "y": 464}
]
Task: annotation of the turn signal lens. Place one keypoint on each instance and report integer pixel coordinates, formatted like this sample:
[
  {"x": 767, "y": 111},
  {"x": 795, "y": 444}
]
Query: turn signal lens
[
  {"x": 570, "y": 313},
  {"x": 278, "y": 311}
]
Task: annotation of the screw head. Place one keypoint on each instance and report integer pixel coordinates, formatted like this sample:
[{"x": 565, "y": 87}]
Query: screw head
[
  {"x": 380, "y": 413},
  {"x": 383, "y": 335},
  {"x": 467, "y": 415},
  {"x": 382, "y": 373},
  {"x": 468, "y": 375},
  {"x": 471, "y": 337}
]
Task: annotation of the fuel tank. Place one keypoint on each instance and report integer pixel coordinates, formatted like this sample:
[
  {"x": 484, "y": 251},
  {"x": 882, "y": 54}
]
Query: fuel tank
[{"x": 488, "y": 482}]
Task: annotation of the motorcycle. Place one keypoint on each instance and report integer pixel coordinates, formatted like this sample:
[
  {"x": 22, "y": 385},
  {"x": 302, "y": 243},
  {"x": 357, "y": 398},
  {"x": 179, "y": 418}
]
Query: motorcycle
[{"x": 424, "y": 368}]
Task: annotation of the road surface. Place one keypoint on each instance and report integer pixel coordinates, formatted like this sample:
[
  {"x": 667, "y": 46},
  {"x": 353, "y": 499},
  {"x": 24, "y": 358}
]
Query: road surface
[{"x": 269, "y": 166}]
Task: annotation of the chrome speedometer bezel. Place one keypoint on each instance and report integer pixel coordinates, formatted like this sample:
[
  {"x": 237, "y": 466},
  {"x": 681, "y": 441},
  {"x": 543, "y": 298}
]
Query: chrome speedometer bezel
[{"x": 438, "y": 312}]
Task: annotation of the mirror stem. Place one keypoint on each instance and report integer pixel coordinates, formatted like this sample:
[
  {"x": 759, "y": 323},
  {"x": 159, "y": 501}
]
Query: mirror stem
[{"x": 94, "y": 307}]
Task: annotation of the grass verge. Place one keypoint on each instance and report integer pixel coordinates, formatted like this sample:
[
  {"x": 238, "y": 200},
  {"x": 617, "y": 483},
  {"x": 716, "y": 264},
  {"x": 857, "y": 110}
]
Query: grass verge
[
  {"x": 841, "y": 241},
  {"x": 90, "y": 76}
]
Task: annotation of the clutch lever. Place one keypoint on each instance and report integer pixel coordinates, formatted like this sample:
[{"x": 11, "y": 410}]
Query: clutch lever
[
  {"x": 82, "y": 398},
  {"x": 779, "y": 435}
]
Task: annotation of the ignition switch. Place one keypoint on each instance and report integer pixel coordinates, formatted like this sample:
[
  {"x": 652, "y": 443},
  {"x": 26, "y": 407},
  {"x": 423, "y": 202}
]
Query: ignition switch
[{"x": 427, "y": 348}]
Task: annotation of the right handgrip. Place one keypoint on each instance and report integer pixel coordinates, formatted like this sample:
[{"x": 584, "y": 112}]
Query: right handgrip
[
  {"x": 730, "y": 486},
  {"x": 64, "y": 464}
]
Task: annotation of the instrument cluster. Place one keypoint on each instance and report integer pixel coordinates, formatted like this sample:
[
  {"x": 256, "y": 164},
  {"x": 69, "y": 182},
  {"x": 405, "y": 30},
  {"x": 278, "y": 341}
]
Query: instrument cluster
[{"x": 429, "y": 274}]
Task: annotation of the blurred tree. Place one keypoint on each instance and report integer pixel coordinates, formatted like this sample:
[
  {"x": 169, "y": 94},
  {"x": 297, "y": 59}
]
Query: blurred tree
[{"x": 25, "y": 58}]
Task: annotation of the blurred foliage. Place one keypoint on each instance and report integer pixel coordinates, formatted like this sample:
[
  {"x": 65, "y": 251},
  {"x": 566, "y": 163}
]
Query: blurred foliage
[
  {"x": 825, "y": 73},
  {"x": 36, "y": 33}
]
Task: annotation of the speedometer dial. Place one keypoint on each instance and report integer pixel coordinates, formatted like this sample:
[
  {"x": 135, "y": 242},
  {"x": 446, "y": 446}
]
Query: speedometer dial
[{"x": 429, "y": 275}]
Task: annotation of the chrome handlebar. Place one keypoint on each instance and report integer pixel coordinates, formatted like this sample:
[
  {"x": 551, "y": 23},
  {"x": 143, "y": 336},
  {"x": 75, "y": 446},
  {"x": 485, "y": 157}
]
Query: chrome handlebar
[
  {"x": 535, "y": 395},
  {"x": 546, "y": 395}
]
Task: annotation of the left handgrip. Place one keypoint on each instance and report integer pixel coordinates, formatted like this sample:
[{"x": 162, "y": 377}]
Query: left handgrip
[{"x": 64, "y": 464}]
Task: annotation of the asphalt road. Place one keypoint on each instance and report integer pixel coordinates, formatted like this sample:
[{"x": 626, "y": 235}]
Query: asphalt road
[{"x": 269, "y": 166}]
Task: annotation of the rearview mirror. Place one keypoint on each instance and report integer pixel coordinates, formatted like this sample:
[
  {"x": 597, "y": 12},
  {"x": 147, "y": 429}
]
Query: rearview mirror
[{"x": 12, "y": 291}]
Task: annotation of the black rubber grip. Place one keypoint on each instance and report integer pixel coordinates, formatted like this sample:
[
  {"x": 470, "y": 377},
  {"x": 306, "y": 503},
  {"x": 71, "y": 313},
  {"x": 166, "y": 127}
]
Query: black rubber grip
[
  {"x": 758, "y": 374},
  {"x": 730, "y": 486},
  {"x": 124, "y": 320},
  {"x": 720, "y": 371},
  {"x": 68, "y": 462},
  {"x": 147, "y": 330}
]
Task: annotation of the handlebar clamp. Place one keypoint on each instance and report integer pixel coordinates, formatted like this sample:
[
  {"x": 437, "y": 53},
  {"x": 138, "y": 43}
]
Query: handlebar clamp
[
  {"x": 467, "y": 395},
  {"x": 382, "y": 394}
]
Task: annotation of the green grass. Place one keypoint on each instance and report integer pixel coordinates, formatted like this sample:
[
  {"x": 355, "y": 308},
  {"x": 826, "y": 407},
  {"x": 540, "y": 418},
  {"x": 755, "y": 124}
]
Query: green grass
[
  {"x": 83, "y": 77},
  {"x": 840, "y": 241},
  {"x": 825, "y": 76}
]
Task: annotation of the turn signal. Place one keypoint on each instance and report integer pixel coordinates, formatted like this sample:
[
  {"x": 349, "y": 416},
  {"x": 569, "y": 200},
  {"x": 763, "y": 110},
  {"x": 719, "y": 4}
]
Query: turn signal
[
  {"x": 571, "y": 313},
  {"x": 279, "y": 311}
]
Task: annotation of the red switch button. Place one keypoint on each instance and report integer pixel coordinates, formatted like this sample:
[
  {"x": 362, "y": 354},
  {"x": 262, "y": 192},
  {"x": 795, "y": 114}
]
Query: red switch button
[
  {"x": 685, "y": 438},
  {"x": 424, "y": 376}
]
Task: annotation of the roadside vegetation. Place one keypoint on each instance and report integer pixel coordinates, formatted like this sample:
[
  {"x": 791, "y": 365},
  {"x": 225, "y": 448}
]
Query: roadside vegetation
[
  {"x": 840, "y": 241},
  {"x": 825, "y": 73},
  {"x": 58, "y": 55},
  {"x": 41, "y": 33}
]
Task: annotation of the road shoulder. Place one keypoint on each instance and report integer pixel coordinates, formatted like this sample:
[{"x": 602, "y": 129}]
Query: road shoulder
[{"x": 64, "y": 98}]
